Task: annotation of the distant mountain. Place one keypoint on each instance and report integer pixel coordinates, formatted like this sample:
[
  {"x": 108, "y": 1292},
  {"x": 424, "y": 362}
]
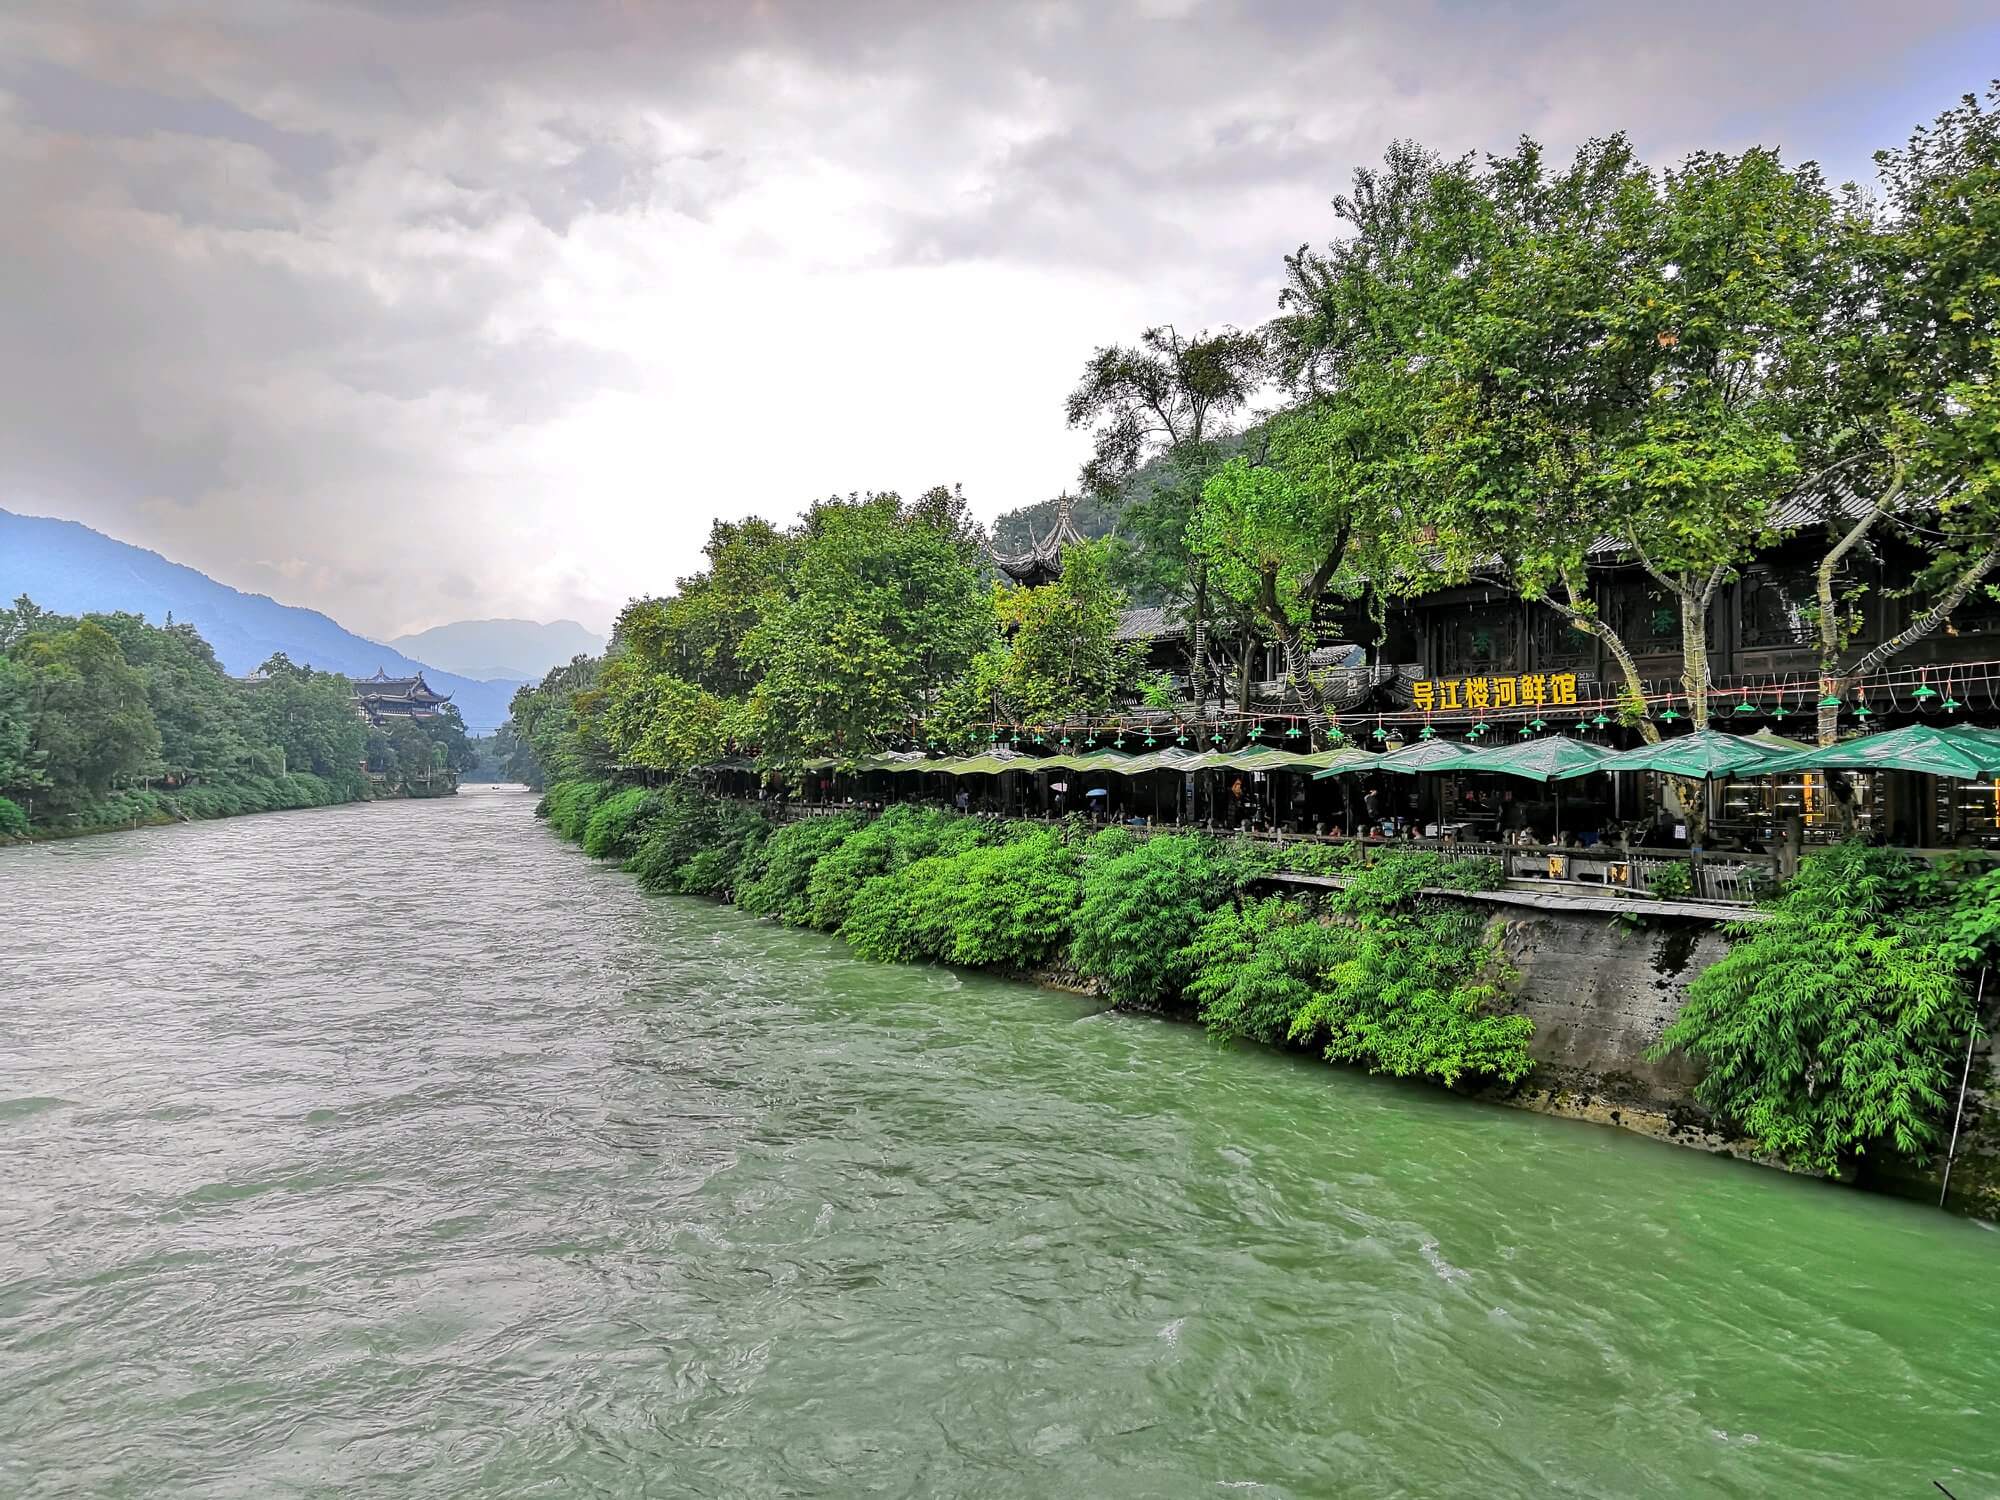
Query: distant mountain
[
  {"x": 69, "y": 568},
  {"x": 520, "y": 649}
]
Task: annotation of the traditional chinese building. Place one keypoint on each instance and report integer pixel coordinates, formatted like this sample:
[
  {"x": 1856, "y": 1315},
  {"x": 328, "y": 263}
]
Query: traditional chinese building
[
  {"x": 1042, "y": 562},
  {"x": 381, "y": 698}
]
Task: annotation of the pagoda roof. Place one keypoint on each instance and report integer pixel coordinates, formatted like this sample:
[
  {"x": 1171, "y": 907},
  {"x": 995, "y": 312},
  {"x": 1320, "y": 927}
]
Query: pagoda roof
[
  {"x": 1042, "y": 562},
  {"x": 384, "y": 686}
]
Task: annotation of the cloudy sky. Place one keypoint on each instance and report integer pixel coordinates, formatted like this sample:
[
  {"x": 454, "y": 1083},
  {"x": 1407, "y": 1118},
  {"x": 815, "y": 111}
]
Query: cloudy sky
[{"x": 420, "y": 311}]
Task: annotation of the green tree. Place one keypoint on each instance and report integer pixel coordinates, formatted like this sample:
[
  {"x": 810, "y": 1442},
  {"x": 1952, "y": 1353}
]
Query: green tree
[
  {"x": 1165, "y": 402},
  {"x": 884, "y": 607},
  {"x": 91, "y": 725},
  {"x": 1907, "y": 393},
  {"x": 1058, "y": 657},
  {"x": 309, "y": 718}
]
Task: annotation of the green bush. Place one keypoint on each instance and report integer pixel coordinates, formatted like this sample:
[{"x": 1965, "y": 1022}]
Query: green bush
[
  {"x": 900, "y": 836},
  {"x": 13, "y": 822},
  {"x": 569, "y": 804},
  {"x": 1321, "y": 859},
  {"x": 1414, "y": 990},
  {"x": 1004, "y": 904},
  {"x": 1142, "y": 906},
  {"x": 1396, "y": 980},
  {"x": 1256, "y": 967},
  {"x": 1669, "y": 882},
  {"x": 697, "y": 844},
  {"x": 1831, "y": 1028},
  {"x": 614, "y": 824},
  {"x": 782, "y": 873}
]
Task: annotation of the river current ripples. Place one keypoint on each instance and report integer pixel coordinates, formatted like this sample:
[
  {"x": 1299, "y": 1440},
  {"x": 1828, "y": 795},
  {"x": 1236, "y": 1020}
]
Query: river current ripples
[{"x": 399, "y": 1150}]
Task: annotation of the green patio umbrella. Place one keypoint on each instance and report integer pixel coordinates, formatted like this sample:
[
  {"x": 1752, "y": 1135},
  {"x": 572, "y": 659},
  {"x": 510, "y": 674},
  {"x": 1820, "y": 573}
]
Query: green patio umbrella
[
  {"x": 1701, "y": 756},
  {"x": 1349, "y": 758},
  {"x": 1412, "y": 759},
  {"x": 1772, "y": 740},
  {"x": 1556, "y": 758},
  {"x": 1927, "y": 749}
]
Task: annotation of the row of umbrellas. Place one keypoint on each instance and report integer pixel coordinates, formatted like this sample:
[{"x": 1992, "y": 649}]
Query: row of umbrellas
[
  {"x": 1963, "y": 751},
  {"x": 1956, "y": 750}
]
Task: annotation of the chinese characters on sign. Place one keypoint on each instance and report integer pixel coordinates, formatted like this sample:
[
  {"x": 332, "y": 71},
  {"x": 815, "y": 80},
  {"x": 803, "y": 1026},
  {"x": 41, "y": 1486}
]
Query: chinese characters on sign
[{"x": 1463, "y": 694}]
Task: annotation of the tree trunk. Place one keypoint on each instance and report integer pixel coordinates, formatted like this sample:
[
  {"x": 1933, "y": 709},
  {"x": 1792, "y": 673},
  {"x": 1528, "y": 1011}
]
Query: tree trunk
[
  {"x": 1198, "y": 665},
  {"x": 1297, "y": 677},
  {"x": 1587, "y": 621},
  {"x": 1245, "y": 642},
  {"x": 1694, "y": 653},
  {"x": 1923, "y": 625}
]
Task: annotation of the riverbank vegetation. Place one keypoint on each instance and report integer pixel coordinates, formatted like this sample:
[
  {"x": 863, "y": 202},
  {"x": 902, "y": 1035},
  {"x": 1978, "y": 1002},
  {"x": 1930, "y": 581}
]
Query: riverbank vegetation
[
  {"x": 107, "y": 721},
  {"x": 1832, "y": 1030},
  {"x": 1382, "y": 973}
]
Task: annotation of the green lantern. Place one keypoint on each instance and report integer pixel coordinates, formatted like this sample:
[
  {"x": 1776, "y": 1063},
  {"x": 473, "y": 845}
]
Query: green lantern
[
  {"x": 1670, "y": 715},
  {"x": 1745, "y": 707},
  {"x": 1950, "y": 704},
  {"x": 1294, "y": 732},
  {"x": 1426, "y": 733},
  {"x": 1150, "y": 742},
  {"x": 1538, "y": 724}
]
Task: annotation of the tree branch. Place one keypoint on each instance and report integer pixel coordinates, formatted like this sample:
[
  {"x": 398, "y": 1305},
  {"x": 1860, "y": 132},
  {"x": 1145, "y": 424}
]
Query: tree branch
[{"x": 1931, "y": 618}]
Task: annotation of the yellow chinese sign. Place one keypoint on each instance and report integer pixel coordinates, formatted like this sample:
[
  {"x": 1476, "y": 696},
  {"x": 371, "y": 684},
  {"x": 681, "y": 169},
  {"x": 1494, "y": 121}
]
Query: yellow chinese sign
[{"x": 1476, "y": 694}]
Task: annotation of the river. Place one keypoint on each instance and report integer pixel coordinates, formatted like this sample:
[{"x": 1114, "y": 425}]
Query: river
[{"x": 400, "y": 1150}]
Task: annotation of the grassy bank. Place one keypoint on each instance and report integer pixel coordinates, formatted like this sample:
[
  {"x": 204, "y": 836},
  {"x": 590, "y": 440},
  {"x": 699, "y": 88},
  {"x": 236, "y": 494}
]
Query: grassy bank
[{"x": 1376, "y": 974}]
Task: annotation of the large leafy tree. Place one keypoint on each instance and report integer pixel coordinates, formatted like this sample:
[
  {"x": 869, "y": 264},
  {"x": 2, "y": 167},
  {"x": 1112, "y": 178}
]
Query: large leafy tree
[
  {"x": 1728, "y": 292},
  {"x": 309, "y": 717},
  {"x": 91, "y": 726},
  {"x": 884, "y": 605},
  {"x": 1165, "y": 403},
  {"x": 1907, "y": 396},
  {"x": 1058, "y": 656}
]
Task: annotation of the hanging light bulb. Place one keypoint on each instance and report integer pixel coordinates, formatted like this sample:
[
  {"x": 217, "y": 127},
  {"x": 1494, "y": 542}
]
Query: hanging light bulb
[
  {"x": 1745, "y": 707},
  {"x": 1294, "y": 732},
  {"x": 1670, "y": 715},
  {"x": 1538, "y": 723},
  {"x": 1256, "y": 731},
  {"x": 1426, "y": 733}
]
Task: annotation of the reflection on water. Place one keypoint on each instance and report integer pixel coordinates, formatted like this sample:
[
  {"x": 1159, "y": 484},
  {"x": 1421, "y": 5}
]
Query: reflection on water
[{"x": 400, "y": 1151}]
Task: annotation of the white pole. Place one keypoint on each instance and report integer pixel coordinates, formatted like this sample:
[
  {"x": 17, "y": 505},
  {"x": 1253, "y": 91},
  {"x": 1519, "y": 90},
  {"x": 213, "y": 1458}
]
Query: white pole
[{"x": 1978, "y": 1005}]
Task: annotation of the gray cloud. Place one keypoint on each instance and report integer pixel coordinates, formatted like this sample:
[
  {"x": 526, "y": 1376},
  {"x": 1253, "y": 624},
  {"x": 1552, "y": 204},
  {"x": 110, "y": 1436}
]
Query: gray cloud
[{"x": 411, "y": 311}]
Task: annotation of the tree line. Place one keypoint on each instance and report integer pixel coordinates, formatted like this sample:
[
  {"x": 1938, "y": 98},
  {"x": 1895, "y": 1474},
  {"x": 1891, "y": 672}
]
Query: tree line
[
  {"x": 1498, "y": 366},
  {"x": 106, "y": 721}
]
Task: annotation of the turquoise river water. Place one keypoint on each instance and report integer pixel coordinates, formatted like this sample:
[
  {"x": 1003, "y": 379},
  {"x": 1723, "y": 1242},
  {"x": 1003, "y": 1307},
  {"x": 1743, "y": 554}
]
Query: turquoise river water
[{"x": 399, "y": 1150}]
